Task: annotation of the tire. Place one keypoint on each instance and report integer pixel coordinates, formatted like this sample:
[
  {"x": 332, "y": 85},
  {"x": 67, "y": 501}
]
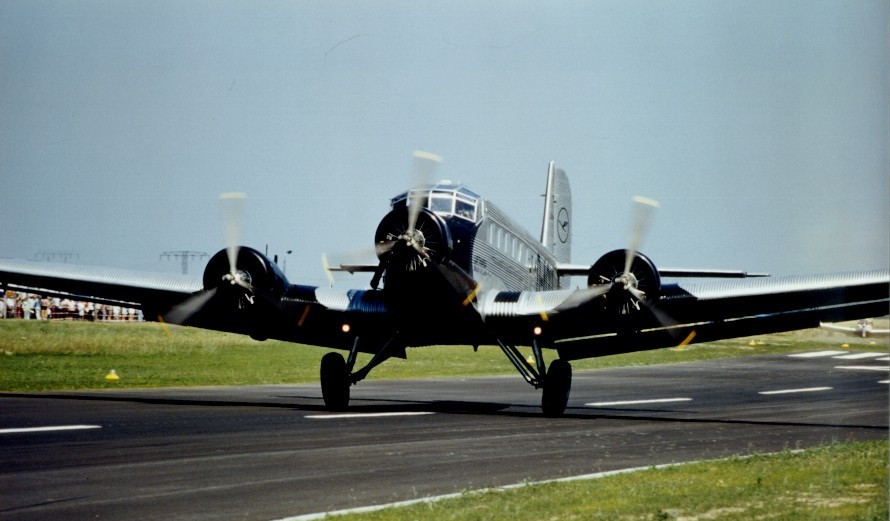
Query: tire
[
  {"x": 334, "y": 382},
  {"x": 557, "y": 385}
]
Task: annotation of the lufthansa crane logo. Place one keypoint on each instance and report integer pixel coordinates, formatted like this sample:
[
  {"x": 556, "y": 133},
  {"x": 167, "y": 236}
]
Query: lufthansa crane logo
[{"x": 562, "y": 225}]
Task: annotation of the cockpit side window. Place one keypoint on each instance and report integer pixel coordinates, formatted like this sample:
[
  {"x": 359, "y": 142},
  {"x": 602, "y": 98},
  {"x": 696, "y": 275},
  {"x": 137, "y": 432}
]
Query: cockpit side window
[
  {"x": 442, "y": 202},
  {"x": 465, "y": 209}
]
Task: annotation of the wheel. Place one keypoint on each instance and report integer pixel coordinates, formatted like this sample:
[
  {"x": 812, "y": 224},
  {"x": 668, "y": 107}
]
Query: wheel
[
  {"x": 557, "y": 385},
  {"x": 334, "y": 382}
]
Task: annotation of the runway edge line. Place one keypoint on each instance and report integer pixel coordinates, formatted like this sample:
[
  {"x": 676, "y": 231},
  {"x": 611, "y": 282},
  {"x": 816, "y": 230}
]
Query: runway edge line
[{"x": 436, "y": 499}]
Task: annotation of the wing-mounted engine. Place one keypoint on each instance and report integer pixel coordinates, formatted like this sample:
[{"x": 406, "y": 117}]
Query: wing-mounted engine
[
  {"x": 242, "y": 293},
  {"x": 624, "y": 283},
  {"x": 241, "y": 282}
]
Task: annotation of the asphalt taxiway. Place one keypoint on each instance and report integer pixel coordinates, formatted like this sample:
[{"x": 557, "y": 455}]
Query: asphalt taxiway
[{"x": 272, "y": 452}]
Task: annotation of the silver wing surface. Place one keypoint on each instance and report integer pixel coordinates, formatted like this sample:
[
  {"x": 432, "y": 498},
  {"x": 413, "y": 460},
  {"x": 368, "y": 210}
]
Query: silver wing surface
[
  {"x": 304, "y": 314},
  {"x": 103, "y": 285},
  {"x": 685, "y": 312},
  {"x": 567, "y": 320}
]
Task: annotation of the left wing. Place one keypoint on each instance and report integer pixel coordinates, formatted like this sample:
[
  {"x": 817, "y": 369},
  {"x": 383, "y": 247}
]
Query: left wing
[
  {"x": 265, "y": 307},
  {"x": 153, "y": 291}
]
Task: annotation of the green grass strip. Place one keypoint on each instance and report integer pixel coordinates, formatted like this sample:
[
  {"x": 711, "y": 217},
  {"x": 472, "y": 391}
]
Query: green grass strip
[
  {"x": 838, "y": 482},
  {"x": 67, "y": 355}
]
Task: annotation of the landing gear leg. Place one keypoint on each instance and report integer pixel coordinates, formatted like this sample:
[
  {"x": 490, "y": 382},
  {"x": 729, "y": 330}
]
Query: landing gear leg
[
  {"x": 556, "y": 382},
  {"x": 337, "y": 374},
  {"x": 557, "y": 385}
]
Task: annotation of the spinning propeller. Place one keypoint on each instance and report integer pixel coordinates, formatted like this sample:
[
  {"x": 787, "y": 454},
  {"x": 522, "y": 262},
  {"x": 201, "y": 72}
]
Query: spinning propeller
[
  {"x": 233, "y": 217},
  {"x": 233, "y": 214},
  {"x": 408, "y": 242},
  {"x": 625, "y": 278}
]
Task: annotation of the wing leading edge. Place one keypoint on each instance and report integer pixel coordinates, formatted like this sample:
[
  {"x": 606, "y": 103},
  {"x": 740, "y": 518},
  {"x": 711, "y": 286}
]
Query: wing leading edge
[
  {"x": 102, "y": 285},
  {"x": 690, "y": 312}
]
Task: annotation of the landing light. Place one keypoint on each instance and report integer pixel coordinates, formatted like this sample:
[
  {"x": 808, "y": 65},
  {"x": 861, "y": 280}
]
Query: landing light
[
  {"x": 537, "y": 330},
  {"x": 345, "y": 328}
]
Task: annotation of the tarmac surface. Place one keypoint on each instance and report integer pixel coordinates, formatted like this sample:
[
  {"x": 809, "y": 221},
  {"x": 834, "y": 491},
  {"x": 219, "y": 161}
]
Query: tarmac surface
[{"x": 273, "y": 452}]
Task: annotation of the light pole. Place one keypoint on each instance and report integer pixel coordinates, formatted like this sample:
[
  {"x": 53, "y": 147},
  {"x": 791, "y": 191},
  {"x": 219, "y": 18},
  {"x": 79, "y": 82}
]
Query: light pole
[{"x": 184, "y": 256}]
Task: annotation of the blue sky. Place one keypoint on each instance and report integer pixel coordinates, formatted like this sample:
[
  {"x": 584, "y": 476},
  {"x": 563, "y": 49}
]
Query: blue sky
[{"x": 761, "y": 127}]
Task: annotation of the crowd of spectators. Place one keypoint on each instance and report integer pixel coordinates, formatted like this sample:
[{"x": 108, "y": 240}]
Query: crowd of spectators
[{"x": 29, "y": 306}]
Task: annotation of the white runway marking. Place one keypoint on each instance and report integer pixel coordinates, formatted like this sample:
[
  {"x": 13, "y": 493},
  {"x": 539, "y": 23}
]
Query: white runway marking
[
  {"x": 885, "y": 359},
  {"x": 864, "y": 367},
  {"x": 817, "y": 354},
  {"x": 49, "y": 429},
  {"x": 364, "y": 415},
  {"x": 791, "y": 391},
  {"x": 638, "y": 402},
  {"x": 858, "y": 356}
]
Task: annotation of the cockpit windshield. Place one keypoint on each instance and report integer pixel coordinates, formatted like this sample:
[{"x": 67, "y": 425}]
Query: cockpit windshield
[{"x": 443, "y": 199}]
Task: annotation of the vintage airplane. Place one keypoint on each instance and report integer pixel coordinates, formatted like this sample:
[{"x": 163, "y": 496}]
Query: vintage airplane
[
  {"x": 453, "y": 269},
  {"x": 864, "y": 328}
]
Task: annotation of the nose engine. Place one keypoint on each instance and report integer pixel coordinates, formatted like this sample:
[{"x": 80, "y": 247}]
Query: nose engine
[{"x": 406, "y": 250}]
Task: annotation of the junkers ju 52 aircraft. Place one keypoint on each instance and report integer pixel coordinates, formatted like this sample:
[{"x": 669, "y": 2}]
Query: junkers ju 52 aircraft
[{"x": 453, "y": 269}]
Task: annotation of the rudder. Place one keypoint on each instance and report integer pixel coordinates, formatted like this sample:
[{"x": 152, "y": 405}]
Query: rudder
[{"x": 556, "y": 231}]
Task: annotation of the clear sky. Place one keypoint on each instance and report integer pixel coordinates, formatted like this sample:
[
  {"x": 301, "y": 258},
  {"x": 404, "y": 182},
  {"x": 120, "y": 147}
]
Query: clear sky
[{"x": 762, "y": 127}]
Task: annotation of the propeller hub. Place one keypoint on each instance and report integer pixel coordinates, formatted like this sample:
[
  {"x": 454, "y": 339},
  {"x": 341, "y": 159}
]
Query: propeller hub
[
  {"x": 238, "y": 278},
  {"x": 627, "y": 281},
  {"x": 414, "y": 238}
]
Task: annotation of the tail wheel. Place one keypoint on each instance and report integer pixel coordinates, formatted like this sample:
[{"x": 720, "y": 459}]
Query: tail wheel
[
  {"x": 557, "y": 385},
  {"x": 334, "y": 382}
]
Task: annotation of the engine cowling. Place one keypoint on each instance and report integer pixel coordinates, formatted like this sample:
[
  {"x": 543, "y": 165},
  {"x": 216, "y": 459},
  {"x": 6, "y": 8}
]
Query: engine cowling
[
  {"x": 640, "y": 284},
  {"x": 405, "y": 249},
  {"x": 251, "y": 276},
  {"x": 262, "y": 272}
]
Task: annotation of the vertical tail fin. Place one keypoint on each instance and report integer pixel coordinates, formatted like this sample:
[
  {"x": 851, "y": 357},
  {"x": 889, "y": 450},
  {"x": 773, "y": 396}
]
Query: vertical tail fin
[{"x": 556, "y": 232}]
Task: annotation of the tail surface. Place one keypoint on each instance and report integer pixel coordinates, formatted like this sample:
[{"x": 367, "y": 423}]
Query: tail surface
[{"x": 556, "y": 231}]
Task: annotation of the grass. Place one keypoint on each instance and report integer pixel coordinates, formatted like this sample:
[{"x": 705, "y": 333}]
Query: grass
[
  {"x": 57, "y": 355},
  {"x": 838, "y": 482}
]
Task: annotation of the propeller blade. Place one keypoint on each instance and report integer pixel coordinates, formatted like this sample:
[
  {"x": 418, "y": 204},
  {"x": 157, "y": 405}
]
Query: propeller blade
[
  {"x": 327, "y": 268},
  {"x": 458, "y": 279},
  {"x": 639, "y": 295},
  {"x": 583, "y": 296},
  {"x": 233, "y": 218},
  {"x": 643, "y": 209},
  {"x": 665, "y": 320},
  {"x": 180, "y": 313},
  {"x": 384, "y": 247},
  {"x": 425, "y": 165}
]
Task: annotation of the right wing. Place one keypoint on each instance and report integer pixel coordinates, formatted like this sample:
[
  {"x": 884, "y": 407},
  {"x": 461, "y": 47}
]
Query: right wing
[{"x": 686, "y": 312}]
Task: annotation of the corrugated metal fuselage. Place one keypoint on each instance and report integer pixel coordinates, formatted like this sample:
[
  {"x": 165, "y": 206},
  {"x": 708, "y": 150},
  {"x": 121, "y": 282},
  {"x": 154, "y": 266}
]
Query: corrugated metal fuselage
[{"x": 499, "y": 254}]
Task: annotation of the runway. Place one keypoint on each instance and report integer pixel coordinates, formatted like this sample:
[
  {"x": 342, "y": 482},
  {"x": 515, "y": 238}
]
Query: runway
[{"x": 271, "y": 452}]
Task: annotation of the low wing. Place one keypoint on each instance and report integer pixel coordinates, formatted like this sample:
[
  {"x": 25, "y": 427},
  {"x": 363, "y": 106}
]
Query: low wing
[
  {"x": 305, "y": 314},
  {"x": 153, "y": 291},
  {"x": 688, "y": 311},
  {"x": 577, "y": 326}
]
